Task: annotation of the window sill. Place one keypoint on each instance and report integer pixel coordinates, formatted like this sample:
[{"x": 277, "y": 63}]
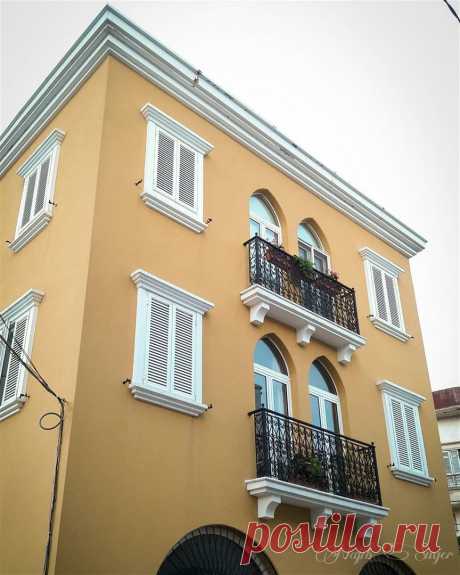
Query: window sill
[
  {"x": 424, "y": 480},
  {"x": 11, "y": 407},
  {"x": 167, "y": 400},
  {"x": 32, "y": 229},
  {"x": 174, "y": 211},
  {"x": 389, "y": 329}
]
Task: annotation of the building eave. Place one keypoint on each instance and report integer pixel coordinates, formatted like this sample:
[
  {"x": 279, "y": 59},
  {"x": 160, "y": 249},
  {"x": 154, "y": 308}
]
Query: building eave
[{"x": 111, "y": 33}]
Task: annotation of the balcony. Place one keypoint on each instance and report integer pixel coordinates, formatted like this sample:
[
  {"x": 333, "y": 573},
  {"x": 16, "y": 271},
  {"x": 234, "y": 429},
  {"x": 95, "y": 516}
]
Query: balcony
[
  {"x": 314, "y": 304},
  {"x": 303, "y": 465}
]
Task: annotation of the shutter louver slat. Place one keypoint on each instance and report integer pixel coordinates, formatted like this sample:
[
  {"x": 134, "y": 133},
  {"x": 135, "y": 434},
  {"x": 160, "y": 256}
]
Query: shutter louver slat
[
  {"x": 187, "y": 177},
  {"x": 165, "y": 164},
  {"x": 15, "y": 369},
  {"x": 41, "y": 190},
  {"x": 400, "y": 434},
  {"x": 392, "y": 302},
  {"x": 379, "y": 294},
  {"x": 413, "y": 438},
  {"x": 28, "y": 199},
  {"x": 158, "y": 346},
  {"x": 183, "y": 352}
]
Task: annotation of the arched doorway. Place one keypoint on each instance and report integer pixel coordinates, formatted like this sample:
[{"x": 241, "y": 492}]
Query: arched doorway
[
  {"x": 386, "y": 565},
  {"x": 213, "y": 550}
]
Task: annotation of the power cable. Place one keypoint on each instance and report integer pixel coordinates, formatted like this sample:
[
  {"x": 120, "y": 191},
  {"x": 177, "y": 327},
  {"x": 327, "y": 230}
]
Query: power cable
[{"x": 451, "y": 8}]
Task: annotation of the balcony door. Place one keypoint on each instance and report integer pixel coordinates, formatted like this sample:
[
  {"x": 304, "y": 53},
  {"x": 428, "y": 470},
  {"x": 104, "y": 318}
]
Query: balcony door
[
  {"x": 271, "y": 380},
  {"x": 263, "y": 221}
]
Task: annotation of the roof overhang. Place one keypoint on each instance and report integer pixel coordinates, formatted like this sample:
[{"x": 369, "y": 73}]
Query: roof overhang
[{"x": 111, "y": 33}]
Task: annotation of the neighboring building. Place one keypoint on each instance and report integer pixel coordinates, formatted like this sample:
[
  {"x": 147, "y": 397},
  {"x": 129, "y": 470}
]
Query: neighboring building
[
  {"x": 108, "y": 278},
  {"x": 447, "y": 406}
]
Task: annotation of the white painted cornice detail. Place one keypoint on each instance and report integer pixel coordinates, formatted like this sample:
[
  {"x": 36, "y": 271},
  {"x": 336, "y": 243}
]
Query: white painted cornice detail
[
  {"x": 168, "y": 400},
  {"x": 31, "y": 298},
  {"x": 151, "y": 283},
  {"x": 176, "y": 129},
  {"x": 423, "y": 480},
  {"x": 54, "y": 139},
  {"x": 407, "y": 395},
  {"x": 380, "y": 261},
  {"x": 389, "y": 329},
  {"x": 32, "y": 229},
  {"x": 165, "y": 206},
  {"x": 111, "y": 33}
]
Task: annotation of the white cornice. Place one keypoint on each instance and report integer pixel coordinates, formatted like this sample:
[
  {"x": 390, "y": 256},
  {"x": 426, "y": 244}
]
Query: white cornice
[
  {"x": 175, "y": 128},
  {"x": 110, "y": 33},
  {"x": 151, "y": 283},
  {"x": 399, "y": 392},
  {"x": 380, "y": 261},
  {"x": 22, "y": 304},
  {"x": 54, "y": 139}
]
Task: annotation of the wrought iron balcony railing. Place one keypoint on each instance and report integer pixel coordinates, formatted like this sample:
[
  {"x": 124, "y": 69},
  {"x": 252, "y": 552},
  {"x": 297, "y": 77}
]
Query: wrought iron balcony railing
[
  {"x": 453, "y": 480},
  {"x": 276, "y": 270},
  {"x": 297, "y": 452}
]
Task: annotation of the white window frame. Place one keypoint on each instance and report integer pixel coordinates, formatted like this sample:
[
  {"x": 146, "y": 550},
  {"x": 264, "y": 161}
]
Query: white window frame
[
  {"x": 306, "y": 246},
  {"x": 451, "y": 454},
  {"x": 27, "y": 304},
  {"x": 373, "y": 259},
  {"x": 149, "y": 285},
  {"x": 264, "y": 225},
  {"x": 49, "y": 148},
  {"x": 327, "y": 395},
  {"x": 154, "y": 197},
  {"x": 270, "y": 375},
  {"x": 391, "y": 391}
]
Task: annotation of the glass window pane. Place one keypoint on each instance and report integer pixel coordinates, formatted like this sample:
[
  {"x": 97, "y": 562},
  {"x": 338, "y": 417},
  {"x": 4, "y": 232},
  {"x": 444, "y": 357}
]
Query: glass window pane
[
  {"x": 332, "y": 417},
  {"x": 271, "y": 236},
  {"x": 260, "y": 384},
  {"x": 445, "y": 455},
  {"x": 254, "y": 228},
  {"x": 280, "y": 404},
  {"x": 304, "y": 252},
  {"x": 321, "y": 262},
  {"x": 259, "y": 208},
  {"x": 304, "y": 233},
  {"x": 267, "y": 355},
  {"x": 315, "y": 413},
  {"x": 319, "y": 378},
  {"x": 455, "y": 461}
]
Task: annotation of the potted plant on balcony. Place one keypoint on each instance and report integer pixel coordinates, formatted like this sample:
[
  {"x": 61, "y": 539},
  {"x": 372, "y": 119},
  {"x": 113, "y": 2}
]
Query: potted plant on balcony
[
  {"x": 307, "y": 470},
  {"x": 303, "y": 268}
]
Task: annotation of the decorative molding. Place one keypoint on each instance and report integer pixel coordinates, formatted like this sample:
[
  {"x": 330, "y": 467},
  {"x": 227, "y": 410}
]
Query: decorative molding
[
  {"x": 176, "y": 129},
  {"x": 424, "y": 480},
  {"x": 31, "y": 298},
  {"x": 54, "y": 139},
  {"x": 158, "y": 202},
  {"x": 11, "y": 407},
  {"x": 389, "y": 329},
  {"x": 151, "y": 283},
  {"x": 402, "y": 393},
  {"x": 32, "y": 229},
  {"x": 111, "y": 33},
  {"x": 383, "y": 263},
  {"x": 265, "y": 303},
  {"x": 272, "y": 492},
  {"x": 168, "y": 400}
]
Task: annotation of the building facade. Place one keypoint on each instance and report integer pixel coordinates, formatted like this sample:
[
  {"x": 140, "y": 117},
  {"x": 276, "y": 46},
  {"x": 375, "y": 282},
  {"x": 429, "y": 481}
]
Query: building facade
[
  {"x": 168, "y": 270},
  {"x": 447, "y": 406}
]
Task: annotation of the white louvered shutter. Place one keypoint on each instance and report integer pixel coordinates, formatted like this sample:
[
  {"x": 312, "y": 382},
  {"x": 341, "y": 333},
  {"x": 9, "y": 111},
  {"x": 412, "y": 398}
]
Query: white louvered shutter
[
  {"x": 41, "y": 189},
  {"x": 402, "y": 450},
  {"x": 28, "y": 200},
  {"x": 414, "y": 439},
  {"x": 379, "y": 290},
  {"x": 183, "y": 352},
  {"x": 164, "y": 169},
  {"x": 158, "y": 352},
  {"x": 15, "y": 371},
  {"x": 186, "y": 185},
  {"x": 392, "y": 300}
]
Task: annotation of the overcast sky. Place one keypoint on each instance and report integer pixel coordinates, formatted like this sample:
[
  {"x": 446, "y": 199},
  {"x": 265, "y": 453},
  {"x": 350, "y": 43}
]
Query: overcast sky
[{"x": 371, "y": 89}]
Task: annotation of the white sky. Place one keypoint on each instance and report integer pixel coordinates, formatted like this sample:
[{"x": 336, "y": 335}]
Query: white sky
[{"x": 371, "y": 89}]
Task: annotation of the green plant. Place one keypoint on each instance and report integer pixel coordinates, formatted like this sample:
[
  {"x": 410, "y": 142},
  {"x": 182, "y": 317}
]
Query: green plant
[
  {"x": 304, "y": 266},
  {"x": 306, "y": 468}
]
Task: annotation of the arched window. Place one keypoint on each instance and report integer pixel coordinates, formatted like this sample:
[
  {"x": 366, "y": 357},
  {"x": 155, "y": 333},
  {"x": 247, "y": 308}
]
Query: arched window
[
  {"x": 324, "y": 400},
  {"x": 263, "y": 220},
  {"x": 311, "y": 249},
  {"x": 271, "y": 378}
]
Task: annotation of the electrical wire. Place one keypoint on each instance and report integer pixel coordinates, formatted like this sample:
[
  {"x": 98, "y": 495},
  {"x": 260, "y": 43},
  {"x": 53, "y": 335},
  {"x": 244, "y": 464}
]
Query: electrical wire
[
  {"x": 32, "y": 369},
  {"x": 451, "y": 8}
]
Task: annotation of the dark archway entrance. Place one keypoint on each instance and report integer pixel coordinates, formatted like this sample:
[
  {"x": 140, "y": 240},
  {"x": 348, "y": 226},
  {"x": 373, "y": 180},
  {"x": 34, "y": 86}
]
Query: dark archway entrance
[
  {"x": 213, "y": 550},
  {"x": 386, "y": 565}
]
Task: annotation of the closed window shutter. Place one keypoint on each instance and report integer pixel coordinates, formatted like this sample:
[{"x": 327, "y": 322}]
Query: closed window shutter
[
  {"x": 27, "y": 211},
  {"x": 379, "y": 291},
  {"x": 14, "y": 369},
  {"x": 392, "y": 300},
  {"x": 183, "y": 352},
  {"x": 413, "y": 438},
  {"x": 158, "y": 343},
  {"x": 186, "y": 176},
  {"x": 402, "y": 449},
  {"x": 41, "y": 190},
  {"x": 165, "y": 164}
]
